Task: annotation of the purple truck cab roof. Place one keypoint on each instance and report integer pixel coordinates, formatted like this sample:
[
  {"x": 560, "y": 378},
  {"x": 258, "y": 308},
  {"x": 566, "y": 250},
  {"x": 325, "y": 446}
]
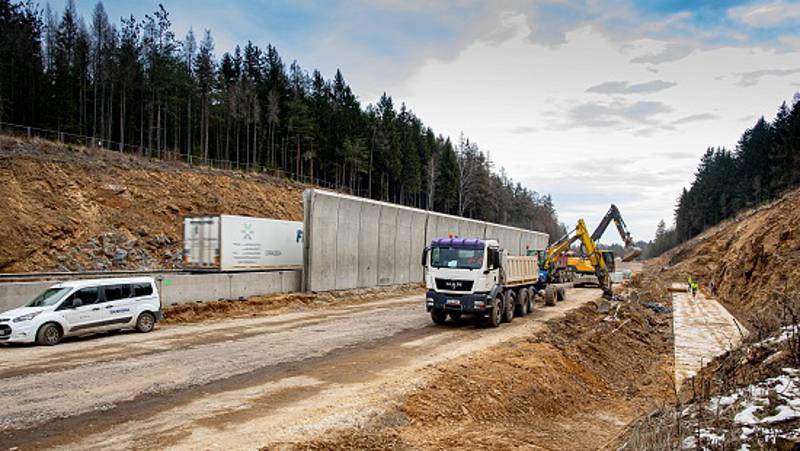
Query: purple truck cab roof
[{"x": 464, "y": 243}]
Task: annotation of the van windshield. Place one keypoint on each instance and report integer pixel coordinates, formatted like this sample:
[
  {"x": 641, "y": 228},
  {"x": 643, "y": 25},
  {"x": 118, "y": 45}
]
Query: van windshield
[
  {"x": 48, "y": 298},
  {"x": 453, "y": 257}
]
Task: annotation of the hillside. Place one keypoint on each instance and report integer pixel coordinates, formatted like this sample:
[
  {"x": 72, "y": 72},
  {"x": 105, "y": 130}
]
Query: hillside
[
  {"x": 64, "y": 208},
  {"x": 751, "y": 263}
]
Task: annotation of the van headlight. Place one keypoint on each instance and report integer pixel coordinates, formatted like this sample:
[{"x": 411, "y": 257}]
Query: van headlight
[{"x": 26, "y": 317}]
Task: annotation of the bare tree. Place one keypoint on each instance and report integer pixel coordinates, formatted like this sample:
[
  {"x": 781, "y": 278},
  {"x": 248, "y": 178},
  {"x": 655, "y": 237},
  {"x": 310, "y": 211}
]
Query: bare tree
[{"x": 469, "y": 168}]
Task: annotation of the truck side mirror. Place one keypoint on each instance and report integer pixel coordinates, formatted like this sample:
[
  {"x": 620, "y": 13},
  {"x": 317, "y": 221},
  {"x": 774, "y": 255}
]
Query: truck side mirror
[{"x": 424, "y": 260}]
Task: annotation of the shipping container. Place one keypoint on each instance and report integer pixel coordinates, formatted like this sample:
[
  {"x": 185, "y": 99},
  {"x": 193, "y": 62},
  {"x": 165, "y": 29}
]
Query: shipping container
[{"x": 241, "y": 243}]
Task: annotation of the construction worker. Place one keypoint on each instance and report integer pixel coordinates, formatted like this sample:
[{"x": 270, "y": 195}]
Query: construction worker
[{"x": 693, "y": 286}]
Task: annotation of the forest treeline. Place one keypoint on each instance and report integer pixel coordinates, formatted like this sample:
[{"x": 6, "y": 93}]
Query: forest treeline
[
  {"x": 764, "y": 165},
  {"x": 135, "y": 85}
]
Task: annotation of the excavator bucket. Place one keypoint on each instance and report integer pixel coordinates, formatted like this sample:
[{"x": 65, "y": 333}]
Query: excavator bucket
[{"x": 631, "y": 253}]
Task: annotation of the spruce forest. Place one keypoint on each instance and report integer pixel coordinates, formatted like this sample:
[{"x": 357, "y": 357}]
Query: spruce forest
[
  {"x": 136, "y": 86},
  {"x": 764, "y": 165}
]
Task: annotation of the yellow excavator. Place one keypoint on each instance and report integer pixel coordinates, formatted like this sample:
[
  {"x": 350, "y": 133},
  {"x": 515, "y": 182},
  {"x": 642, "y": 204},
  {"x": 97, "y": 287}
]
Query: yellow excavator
[
  {"x": 595, "y": 261},
  {"x": 602, "y": 261},
  {"x": 582, "y": 265}
]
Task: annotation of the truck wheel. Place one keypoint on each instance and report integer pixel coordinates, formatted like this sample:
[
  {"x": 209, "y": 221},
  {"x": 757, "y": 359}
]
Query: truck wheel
[
  {"x": 508, "y": 307},
  {"x": 48, "y": 335},
  {"x": 531, "y": 295},
  {"x": 495, "y": 317},
  {"x": 562, "y": 294},
  {"x": 438, "y": 316},
  {"x": 455, "y": 316},
  {"x": 521, "y": 307},
  {"x": 550, "y": 295}
]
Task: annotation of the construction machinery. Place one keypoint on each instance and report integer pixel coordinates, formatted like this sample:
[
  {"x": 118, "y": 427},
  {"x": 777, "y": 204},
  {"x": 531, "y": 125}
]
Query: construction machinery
[
  {"x": 613, "y": 214},
  {"x": 581, "y": 265},
  {"x": 601, "y": 261}
]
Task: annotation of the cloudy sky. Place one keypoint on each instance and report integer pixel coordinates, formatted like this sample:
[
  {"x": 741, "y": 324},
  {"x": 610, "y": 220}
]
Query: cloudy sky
[{"x": 593, "y": 101}]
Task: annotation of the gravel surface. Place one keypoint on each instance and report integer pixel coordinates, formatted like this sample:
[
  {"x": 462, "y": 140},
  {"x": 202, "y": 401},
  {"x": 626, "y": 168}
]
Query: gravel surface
[{"x": 235, "y": 384}]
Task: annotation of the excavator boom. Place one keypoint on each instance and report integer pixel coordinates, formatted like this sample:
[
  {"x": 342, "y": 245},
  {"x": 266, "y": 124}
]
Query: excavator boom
[
  {"x": 613, "y": 214},
  {"x": 594, "y": 254}
]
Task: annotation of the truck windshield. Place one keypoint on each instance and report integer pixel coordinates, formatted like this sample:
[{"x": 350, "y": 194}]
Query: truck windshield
[
  {"x": 48, "y": 298},
  {"x": 451, "y": 257}
]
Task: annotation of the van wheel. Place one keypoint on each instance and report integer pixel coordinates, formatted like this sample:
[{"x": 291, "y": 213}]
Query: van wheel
[
  {"x": 146, "y": 322},
  {"x": 49, "y": 335}
]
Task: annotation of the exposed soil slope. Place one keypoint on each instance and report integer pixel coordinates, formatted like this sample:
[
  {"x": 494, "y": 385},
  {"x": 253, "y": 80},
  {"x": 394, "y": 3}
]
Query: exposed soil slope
[
  {"x": 573, "y": 386},
  {"x": 70, "y": 208},
  {"x": 749, "y": 263}
]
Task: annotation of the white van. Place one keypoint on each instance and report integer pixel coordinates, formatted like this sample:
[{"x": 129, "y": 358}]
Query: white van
[{"x": 83, "y": 306}]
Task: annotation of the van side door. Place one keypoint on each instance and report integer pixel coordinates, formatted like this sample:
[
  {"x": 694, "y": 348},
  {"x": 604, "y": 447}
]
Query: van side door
[
  {"x": 117, "y": 305},
  {"x": 81, "y": 310},
  {"x": 145, "y": 297}
]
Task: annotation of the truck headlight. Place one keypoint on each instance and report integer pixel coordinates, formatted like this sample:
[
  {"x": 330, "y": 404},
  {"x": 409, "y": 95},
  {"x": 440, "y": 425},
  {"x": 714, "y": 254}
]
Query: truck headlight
[
  {"x": 479, "y": 304},
  {"x": 26, "y": 317},
  {"x": 429, "y": 301}
]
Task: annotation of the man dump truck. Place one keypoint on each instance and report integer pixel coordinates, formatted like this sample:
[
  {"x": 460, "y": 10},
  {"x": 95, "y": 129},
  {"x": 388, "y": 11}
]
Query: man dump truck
[{"x": 477, "y": 277}]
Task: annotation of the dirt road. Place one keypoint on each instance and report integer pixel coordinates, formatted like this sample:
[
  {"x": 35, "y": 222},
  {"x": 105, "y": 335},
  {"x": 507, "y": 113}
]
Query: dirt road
[{"x": 238, "y": 383}]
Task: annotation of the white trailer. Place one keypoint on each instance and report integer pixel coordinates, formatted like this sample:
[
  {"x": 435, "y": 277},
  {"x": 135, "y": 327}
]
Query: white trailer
[{"x": 241, "y": 243}]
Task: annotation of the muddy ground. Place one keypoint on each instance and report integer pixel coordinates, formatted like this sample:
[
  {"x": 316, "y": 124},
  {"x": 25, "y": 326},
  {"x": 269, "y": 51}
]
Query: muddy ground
[
  {"x": 65, "y": 208},
  {"x": 287, "y": 380}
]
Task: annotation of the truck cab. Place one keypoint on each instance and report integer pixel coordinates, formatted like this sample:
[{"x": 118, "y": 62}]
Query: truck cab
[{"x": 462, "y": 275}]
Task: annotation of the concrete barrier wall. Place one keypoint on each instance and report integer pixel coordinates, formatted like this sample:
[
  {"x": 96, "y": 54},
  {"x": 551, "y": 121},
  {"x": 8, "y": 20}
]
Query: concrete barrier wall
[
  {"x": 352, "y": 242},
  {"x": 181, "y": 288}
]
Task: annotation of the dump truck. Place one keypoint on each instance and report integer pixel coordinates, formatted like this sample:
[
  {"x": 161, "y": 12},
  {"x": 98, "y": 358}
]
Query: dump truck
[
  {"x": 241, "y": 243},
  {"x": 475, "y": 276}
]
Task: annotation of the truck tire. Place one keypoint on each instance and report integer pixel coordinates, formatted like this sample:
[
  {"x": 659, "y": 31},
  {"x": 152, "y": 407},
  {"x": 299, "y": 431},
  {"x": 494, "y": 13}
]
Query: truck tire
[
  {"x": 495, "y": 317},
  {"x": 531, "y": 295},
  {"x": 49, "y": 335},
  {"x": 550, "y": 294},
  {"x": 508, "y": 306},
  {"x": 521, "y": 307},
  {"x": 562, "y": 294},
  {"x": 438, "y": 316}
]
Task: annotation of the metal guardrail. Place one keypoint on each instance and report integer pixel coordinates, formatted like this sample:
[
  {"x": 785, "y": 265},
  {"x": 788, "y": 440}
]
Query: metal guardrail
[{"x": 34, "y": 276}]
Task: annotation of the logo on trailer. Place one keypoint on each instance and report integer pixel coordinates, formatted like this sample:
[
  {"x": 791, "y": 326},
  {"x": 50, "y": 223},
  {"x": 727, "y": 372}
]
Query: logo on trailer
[{"x": 247, "y": 231}]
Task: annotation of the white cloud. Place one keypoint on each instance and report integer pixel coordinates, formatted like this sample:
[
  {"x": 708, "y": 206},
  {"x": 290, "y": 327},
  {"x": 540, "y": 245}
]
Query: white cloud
[
  {"x": 625, "y": 87},
  {"x": 753, "y": 77},
  {"x": 527, "y": 104},
  {"x": 767, "y": 14}
]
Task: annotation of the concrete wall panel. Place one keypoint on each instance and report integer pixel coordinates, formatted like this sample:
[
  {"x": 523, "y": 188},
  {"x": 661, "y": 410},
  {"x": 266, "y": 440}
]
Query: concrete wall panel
[
  {"x": 321, "y": 241},
  {"x": 387, "y": 240},
  {"x": 368, "y": 245},
  {"x": 402, "y": 246},
  {"x": 416, "y": 243},
  {"x": 390, "y": 240},
  {"x": 347, "y": 236},
  {"x": 181, "y": 288}
]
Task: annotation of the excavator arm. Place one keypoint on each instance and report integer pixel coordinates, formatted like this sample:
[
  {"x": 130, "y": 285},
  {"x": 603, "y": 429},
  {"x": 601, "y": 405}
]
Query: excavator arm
[
  {"x": 593, "y": 254},
  {"x": 614, "y": 215}
]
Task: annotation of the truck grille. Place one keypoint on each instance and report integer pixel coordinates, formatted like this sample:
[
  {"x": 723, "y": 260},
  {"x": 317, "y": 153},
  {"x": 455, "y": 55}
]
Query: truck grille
[{"x": 453, "y": 285}]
